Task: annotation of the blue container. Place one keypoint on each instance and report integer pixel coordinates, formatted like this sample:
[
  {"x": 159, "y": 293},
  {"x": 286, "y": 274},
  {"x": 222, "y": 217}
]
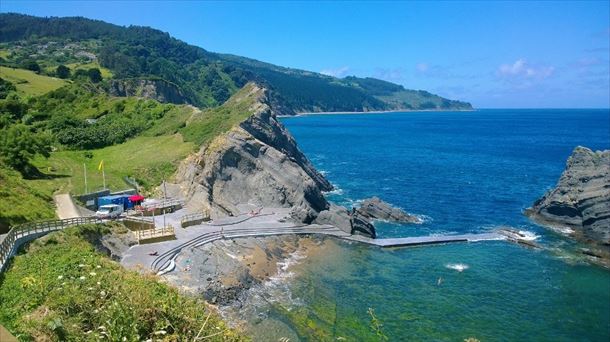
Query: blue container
[{"x": 117, "y": 199}]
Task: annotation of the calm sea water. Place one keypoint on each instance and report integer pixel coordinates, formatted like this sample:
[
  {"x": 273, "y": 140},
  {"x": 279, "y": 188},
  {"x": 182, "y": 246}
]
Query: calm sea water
[{"x": 463, "y": 172}]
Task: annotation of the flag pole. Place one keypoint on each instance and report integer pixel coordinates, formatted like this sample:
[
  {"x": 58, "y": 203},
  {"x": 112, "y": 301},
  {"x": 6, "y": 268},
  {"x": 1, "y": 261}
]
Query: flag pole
[
  {"x": 85, "y": 172},
  {"x": 101, "y": 167}
]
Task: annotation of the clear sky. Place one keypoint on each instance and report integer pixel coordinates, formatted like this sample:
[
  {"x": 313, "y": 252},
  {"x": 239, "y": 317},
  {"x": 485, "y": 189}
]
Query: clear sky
[{"x": 493, "y": 54}]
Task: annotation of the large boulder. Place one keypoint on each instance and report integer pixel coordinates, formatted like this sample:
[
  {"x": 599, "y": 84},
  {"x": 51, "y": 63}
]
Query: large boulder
[
  {"x": 349, "y": 221},
  {"x": 581, "y": 199},
  {"x": 376, "y": 209}
]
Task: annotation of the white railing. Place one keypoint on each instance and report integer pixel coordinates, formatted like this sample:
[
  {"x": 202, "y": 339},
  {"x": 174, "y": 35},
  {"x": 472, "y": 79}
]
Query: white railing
[{"x": 29, "y": 231}]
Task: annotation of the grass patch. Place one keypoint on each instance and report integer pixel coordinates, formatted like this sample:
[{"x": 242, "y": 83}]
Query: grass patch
[
  {"x": 30, "y": 83},
  {"x": 62, "y": 289},
  {"x": 147, "y": 159},
  {"x": 106, "y": 73},
  {"x": 213, "y": 122},
  {"x": 20, "y": 202}
]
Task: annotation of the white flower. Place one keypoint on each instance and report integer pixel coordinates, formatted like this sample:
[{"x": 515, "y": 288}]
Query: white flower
[
  {"x": 99, "y": 283},
  {"x": 93, "y": 274},
  {"x": 98, "y": 266},
  {"x": 81, "y": 265},
  {"x": 82, "y": 278},
  {"x": 103, "y": 293},
  {"x": 60, "y": 277}
]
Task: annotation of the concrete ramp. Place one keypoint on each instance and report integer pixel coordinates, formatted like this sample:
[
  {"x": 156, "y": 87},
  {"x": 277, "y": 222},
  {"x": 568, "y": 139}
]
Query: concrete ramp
[{"x": 65, "y": 207}]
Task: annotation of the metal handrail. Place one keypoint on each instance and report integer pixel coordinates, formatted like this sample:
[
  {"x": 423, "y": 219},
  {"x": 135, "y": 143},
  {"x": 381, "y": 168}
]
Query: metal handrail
[
  {"x": 24, "y": 232},
  {"x": 163, "y": 203},
  {"x": 195, "y": 217}
]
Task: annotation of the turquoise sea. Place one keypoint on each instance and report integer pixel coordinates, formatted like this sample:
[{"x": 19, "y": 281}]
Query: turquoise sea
[{"x": 462, "y": 172}]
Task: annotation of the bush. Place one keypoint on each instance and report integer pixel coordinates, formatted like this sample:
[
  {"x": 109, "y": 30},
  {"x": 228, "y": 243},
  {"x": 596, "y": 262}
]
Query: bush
[
  {"x": 31, "y": 65},
  {"x": 62, "y": 289},
  {"x": 18, "y": 145},
  {"x": 62, "y": 71}
]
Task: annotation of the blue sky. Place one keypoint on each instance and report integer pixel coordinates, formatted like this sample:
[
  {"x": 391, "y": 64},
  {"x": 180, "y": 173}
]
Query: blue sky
[{"x": 493, "y": 54}]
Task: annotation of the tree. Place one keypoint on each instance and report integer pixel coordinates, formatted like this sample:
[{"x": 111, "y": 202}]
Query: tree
[
  {"x": 31, "y": 65},
  {"x": 5, "y": 88},
  {"x": 62, "y": 71},
  {"x": 13, "y": 106},
  {"x": 18, "y": 145},
  {"x": 95, "y": 75}
]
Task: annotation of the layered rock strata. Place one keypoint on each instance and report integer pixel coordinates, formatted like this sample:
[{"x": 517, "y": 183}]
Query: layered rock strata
[
  {"x": 258, "y": 163},
  {"x": 581, "y": 199}
]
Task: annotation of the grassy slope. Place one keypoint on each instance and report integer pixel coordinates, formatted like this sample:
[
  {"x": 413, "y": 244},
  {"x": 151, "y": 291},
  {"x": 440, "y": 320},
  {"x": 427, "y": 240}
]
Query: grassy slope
[
  {"x": 86, "y": 66},
  {"x": 213, "y": 122},
  {"x": 148, "y": 159},
  {"x": 29, "y": 83},
  {"x": 21, "y": 201},
  {"x": 62, "y": 289}
]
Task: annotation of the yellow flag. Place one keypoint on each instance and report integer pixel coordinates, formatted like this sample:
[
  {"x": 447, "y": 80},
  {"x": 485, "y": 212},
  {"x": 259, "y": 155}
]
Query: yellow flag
[{"x": 101, "y": 166}]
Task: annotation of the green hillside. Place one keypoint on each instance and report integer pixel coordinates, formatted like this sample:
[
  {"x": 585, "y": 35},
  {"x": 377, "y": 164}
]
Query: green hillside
[
  {"x": 21, "y": 201},
  {"x": 206, "y": 79},
  {"x": 29, "y": 83}
]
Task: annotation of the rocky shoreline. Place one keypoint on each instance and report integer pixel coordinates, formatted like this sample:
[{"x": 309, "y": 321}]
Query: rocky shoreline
[
  {"x": 579, "y": 205},
  {"x": 258, "y": 163}
]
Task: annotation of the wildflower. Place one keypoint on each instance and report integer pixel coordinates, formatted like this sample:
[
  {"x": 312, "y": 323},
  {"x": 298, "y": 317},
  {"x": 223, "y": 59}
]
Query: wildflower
[
  {"x": 60, "y": 277},
  {"x": 93, "y": 274},
  {"x": 103, "y": 293},
  {"x": 82, "y": 278},
  {"x": 81, "y": 265},
  {"x": 160, "y": 332},
  {"x": 98, "y": 266},
  {"x": 99, "y": 283}
]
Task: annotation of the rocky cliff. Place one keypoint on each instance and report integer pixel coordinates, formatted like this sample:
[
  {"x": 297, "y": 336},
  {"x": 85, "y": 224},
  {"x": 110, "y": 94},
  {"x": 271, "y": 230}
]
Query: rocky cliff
[
  {"x": 256, "y": 163},
  {"x": 581, "y": 199},
  {"x": 156, "y": 89}
]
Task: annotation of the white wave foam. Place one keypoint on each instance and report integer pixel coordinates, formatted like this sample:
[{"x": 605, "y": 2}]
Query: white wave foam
[
  {"x": 335, "y": 191},
  {"x": 528, "y": 236},
  {"x": 422, "y": 218},
  {"x": 283, "y": 269},
  {"x": 458, "y": 267},
  {"x": 276, "y": 288}
]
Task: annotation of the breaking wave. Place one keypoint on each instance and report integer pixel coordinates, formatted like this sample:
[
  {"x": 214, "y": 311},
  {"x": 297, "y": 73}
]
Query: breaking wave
[{"x": 458, "y": 267}]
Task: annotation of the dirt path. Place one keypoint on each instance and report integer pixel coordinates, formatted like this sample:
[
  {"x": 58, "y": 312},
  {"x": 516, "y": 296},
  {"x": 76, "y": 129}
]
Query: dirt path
[{"x": 65, "y": 206}]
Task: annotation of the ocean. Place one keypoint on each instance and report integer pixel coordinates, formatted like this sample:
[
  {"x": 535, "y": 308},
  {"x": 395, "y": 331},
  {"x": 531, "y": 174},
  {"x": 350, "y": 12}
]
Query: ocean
[{"x": 461, "y": 172}]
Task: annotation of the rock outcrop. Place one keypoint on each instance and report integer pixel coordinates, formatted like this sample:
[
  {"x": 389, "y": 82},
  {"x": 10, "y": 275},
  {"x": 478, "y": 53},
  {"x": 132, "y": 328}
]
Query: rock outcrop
[
  {"x": 346, "y": 220},
  {"x": 157, "y": 89},
  {"x": 581, "y": 199},
  {"x": 376, "y": 209},
  {"x": 257, "y": 163}
]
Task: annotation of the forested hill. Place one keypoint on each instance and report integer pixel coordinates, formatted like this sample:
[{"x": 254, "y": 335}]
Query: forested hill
[{"x": 203, "y": 78}]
